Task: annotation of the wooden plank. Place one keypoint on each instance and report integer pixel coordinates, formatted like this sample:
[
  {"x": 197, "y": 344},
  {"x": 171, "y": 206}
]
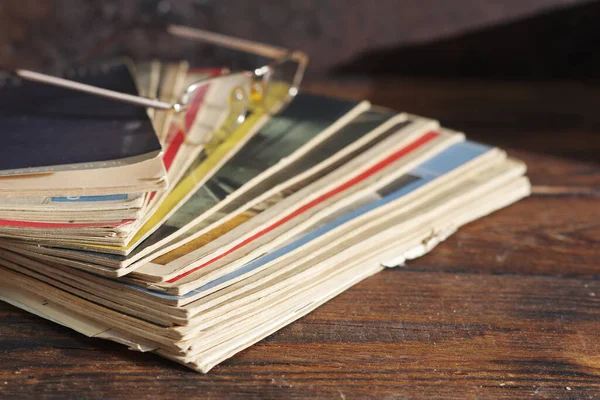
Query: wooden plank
[
  {"x": 401, "y": 333},
  {"x": 537, "y": 236}
]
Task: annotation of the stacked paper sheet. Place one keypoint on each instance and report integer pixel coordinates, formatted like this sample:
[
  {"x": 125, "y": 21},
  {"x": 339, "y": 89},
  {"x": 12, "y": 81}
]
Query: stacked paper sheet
[{"x": 254, "y": 231}]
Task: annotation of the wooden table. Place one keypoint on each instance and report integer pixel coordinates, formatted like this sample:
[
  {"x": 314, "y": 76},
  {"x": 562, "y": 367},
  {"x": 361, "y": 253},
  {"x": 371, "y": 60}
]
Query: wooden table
[{"x": 508, "y": 307}]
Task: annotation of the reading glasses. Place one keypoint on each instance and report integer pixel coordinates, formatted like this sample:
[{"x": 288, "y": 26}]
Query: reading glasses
[{"x": 216, "y": 104}]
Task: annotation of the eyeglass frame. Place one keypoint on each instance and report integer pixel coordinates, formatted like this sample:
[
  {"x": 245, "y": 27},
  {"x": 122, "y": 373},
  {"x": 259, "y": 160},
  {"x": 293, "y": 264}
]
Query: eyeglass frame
[{"x": 261, "y": 74}]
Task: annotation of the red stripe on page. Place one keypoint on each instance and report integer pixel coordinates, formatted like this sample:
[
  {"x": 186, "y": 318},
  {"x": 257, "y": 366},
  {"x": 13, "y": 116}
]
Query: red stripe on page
[
  {"x": 59, "y": 225},
  {"x": 348, "y": 184},
  {"x": 173, "y": 149},
  {"x": 170, "y": 154},
  {"x": 179, "y": 137},
  {"x": 177, "y": 141},
  {"x": 212, "y": 72},
  {"x": 196, "y": 101}
]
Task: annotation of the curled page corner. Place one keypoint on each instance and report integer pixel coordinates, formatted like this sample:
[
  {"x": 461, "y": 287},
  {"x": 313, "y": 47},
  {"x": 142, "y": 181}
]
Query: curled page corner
[
  {"x": 398, "y": 261},
  {"x": 132, "y": 344},
  {"x": 426, "y": 245}
]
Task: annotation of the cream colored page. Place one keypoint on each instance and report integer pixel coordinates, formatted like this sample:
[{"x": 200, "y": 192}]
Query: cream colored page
[{"x": 144, "y": 176}]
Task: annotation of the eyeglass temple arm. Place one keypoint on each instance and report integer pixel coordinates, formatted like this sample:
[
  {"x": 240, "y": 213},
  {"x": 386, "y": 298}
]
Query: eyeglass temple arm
[
  {"x": 227, "y": 41},
  {"x": 81, "y": 87}
]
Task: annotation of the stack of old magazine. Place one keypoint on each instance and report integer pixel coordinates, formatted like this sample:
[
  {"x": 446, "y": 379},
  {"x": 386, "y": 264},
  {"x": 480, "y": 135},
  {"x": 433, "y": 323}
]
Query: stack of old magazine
[{"x": 113, "y": 225}]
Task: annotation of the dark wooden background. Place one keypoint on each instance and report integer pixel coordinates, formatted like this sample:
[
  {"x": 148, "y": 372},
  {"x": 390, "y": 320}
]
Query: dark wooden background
[
  {"x": 509, "y": 38},
  {"x": 509, "y": 307}
]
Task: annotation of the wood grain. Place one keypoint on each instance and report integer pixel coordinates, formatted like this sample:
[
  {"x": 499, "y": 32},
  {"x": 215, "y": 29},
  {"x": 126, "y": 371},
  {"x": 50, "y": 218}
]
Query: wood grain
[{"x": 509, "y": 307}]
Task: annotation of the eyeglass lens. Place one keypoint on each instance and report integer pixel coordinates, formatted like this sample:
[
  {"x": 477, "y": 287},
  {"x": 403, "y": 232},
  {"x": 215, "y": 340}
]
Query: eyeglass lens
[
  {"x": 215, "y": 107},
  {"x": 281, "y": 86}
]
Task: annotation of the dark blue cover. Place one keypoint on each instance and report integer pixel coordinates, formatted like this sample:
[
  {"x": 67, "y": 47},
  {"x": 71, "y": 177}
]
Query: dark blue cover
[{"x": 45, "y": 128}]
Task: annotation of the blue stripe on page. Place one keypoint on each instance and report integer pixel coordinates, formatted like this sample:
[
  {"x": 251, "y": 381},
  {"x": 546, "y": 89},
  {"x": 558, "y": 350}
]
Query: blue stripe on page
[
  {"x": 82, "y": 199},
  {"x": 448, "y": 160}
]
